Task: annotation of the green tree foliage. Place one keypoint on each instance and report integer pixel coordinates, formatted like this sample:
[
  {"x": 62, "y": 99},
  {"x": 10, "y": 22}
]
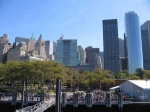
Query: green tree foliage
[
  {"x": 103, "y": 76},
  {"x": 133, "y": 77},
  {"x": 47, "y": 72},
  {"x": 147, "y": 74},
  {"x": 124, "y": 74},
  {"x": 140, "y": 72}
]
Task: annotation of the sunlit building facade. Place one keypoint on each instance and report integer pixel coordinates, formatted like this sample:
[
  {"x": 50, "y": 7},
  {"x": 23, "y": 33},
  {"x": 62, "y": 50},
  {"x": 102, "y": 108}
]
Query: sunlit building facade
[
  {"x": 67, "y": 52},
  {"x": 133, "y": 41}
]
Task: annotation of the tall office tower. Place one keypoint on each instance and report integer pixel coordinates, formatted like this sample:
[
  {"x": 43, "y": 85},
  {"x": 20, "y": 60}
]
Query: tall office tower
[
  {"x": 145, "y": 33},
  {"x": 125, "y": 53},
  {"x": 93, "y": 57},
  {"x": 40, "y": 47},
  {"x": 111, "y": 45},
  {"x": 66, "y": 52},
  {"x": 121, "y": 48},
  {"x": 82, "y": 54},
  {"x": 49, "y": 49},
  {"x": 4, "y": 47},
  {"x": 122, "y": 58},
  {"x": 134, "y": 43}
]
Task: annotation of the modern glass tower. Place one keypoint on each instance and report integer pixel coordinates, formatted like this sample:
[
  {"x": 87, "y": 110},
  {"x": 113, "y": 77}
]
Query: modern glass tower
[
  {"x": 111, "y": 45},
  {"x": 133, "y": 40},
  {"x": 145, "y": 32},
  {"x": 66, "y": 52}
]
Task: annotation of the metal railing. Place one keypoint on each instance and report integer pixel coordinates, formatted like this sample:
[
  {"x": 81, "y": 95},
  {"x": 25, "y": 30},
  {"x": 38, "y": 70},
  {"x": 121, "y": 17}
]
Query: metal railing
[{"x": 40, "y": 107}]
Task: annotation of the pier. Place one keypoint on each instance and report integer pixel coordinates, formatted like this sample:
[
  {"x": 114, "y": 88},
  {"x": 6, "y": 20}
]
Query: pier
[{"x": 72, "y": 100}]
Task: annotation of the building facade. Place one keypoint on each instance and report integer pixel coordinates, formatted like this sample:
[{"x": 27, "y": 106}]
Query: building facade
[
  {"x": 145, "y": 34},
  {"x": 122, "y": 57},
  {"x": 66, "y": 52},
  {"x": 111, "y": 45},
  {"x": 49, "y": 49},
  {"x": 82, "y": 54},
  {"x": 21, "y": 40},
  {"x": 40, "y": 47},
  {"x": 30, "y": 42},
  {"x": 4, "y": 47},
  {"x": 102, "y": 59},
  {"x": 17, "y": 51},
  {"x": 121, "y": 48},
  {"x": 133, "y": 41},
  {"x": 93, "y": 57}
]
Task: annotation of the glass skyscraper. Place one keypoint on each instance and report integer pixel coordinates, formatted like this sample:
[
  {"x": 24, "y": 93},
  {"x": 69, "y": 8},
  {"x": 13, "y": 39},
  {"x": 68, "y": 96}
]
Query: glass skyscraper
[
  {"x": 111, "y": 45},
  {"x": 133, "y": 40},
  {"x": 66, "y": 52},
  {"x": 145, "y": 32}
]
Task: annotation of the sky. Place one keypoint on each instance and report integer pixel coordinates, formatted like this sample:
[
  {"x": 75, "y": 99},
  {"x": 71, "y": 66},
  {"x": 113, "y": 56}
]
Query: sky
[{"x": 75, "y": 19}]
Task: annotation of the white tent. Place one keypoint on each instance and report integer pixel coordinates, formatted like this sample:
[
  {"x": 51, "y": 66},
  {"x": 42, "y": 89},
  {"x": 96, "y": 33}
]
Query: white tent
[
  {"x": 113, "y": 89},
  {"x": 136, "y": 87}
]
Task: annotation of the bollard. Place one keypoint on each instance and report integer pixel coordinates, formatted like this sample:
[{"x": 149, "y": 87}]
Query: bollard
[
  {"x": 88, "y": 100},
  {"x": 120, "y": 104},
  {"x": 42, "y": 96},
  {"x": 26, "y": 99},
  {"x": 14, "y": 98},
  {"x": 63, "y": 99},
  {"x": 75, "y": 100},
  {"x": 58, "y": 95},
  {"x": 108, "y": 100},
  {"x": 22, "y": 98}
]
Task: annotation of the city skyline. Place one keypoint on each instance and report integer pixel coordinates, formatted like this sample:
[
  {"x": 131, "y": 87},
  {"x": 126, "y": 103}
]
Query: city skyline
[{"x": 74, "y": 19}]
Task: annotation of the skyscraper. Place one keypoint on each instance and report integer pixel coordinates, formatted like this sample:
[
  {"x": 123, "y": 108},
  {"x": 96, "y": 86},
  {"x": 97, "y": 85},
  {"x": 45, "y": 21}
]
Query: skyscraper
[
  {"x": 133, "y": 39},
  {"x": 145, "y": 33},
  {"x": 121, "y": 48},
  {"x": 82, "y": 54},
  {"x": 111, "y": 45},
  {"x": 122, "y": 56},
  {"x": 93, "y": 57},
  {"x": 66, "y": 52}
]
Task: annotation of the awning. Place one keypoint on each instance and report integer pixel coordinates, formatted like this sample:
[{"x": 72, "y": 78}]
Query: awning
[{"x": 113, "y": 88}]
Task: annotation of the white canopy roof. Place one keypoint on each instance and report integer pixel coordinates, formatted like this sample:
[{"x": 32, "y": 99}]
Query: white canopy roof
[
  {"x": 115, "y": 87},
  {"x": 141, "y": 83}
]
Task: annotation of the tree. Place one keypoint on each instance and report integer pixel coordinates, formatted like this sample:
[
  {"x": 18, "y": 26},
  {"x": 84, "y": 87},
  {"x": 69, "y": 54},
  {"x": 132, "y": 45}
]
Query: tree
[
  {"x": 133, "y": 77},
  {"x": 147, "y": 74},
  {"x": 124, "y": 74},
  {"x": 103, "y": 76},
  {"x": 140, "y": 72},
  {"x": 79, "y": 78},
  {"x": 2, "y": 74},
  {"x": 13, "y": 72},
  {"x": 70, "y": 77}
]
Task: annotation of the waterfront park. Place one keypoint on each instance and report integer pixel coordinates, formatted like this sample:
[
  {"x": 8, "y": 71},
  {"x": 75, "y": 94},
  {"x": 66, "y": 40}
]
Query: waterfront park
[{"x": 36, "y": 81}]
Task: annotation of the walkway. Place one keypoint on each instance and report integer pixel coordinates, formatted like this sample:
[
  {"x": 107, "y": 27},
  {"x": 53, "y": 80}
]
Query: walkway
[{"x": 40, "y": 107}]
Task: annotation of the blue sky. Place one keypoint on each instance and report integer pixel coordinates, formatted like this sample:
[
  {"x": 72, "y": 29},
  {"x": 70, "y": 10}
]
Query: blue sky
[{"x": 75, "y": 19}]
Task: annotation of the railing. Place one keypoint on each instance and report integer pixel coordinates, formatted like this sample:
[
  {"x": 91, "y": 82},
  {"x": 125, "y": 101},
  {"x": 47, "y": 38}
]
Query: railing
[{"x": 40, "y": 107}]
